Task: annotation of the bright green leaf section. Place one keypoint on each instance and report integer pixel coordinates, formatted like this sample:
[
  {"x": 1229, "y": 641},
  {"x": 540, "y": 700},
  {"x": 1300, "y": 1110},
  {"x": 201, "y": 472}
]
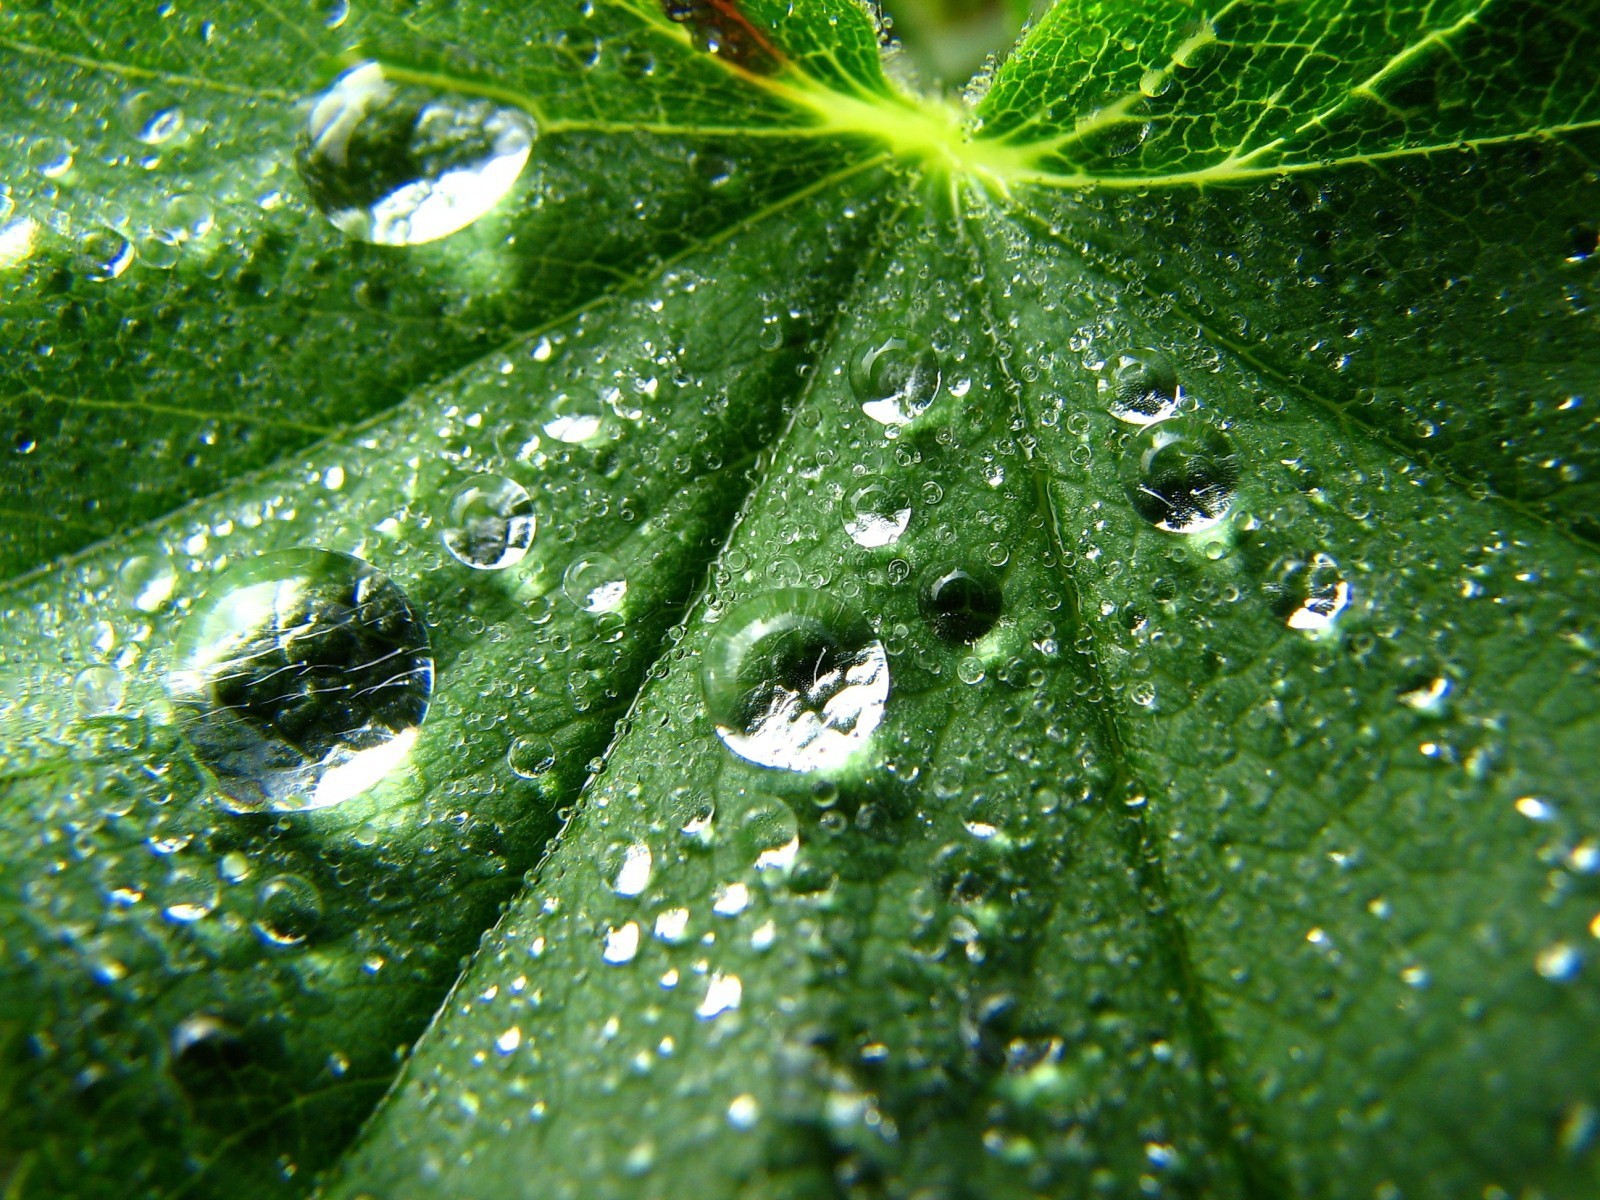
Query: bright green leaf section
[
  {"x": 1257, "y": 861},
  {"x": 1172, "y": 92}
]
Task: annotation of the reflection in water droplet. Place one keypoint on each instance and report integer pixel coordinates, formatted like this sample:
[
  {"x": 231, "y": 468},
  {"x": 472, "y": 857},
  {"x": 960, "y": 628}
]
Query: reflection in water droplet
[
  {"x": 961, "y": 603},
  {"x": 400, "y": 165},
  {"x": 98, "y": 689},
  {"x": 490, "y": 524},
  {"x": 595, "y": 583},
  {"x": 576, "y": 420},
  {"x": 1326, "y": 595},
  {"x": 1181, "y": 477},
  {"x": 151, "y": 118},
  {"x": 531, "y": 757},
  {"x": 895, "y": 377},
  {"x": 877, "y": 515},
  {"x": 301, "y": 679},
  {"x": 105, "y": 254},
  {"x": 633, "y": 876},
  {"x": 1140, "y": 386},
  {"x": 288, "y": 910},
  {"x": 795, "y": 680}
]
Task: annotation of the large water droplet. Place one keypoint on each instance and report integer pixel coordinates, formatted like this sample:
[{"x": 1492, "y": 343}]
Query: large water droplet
[
  {"x": 400, "y": 165},
  {"x": 288, "y": 910},
  {"x": 152, "y": 118},
  {"x": 490, "y": 524},
  {"x": 895, "y": 377},
  {"x": 961, "y": 603},
  {"x": 1140, "y": 386},
  {"x": 1181, "y": 477},
  {"x": 302, "y": 679},
  {"x": 877, "y": 515},
  {"x": 1323, "y": 595},
  {"x": 105, "y": 254},
  {"x": 795, "y": 680}
]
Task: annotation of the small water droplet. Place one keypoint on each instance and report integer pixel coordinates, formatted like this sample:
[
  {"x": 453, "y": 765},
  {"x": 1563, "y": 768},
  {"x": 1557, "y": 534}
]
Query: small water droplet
[
  {"x": 302, "y": 679},
  {"x": 1140, "y": 386},
  {"x": 595, "y": 583},
  {"x": 400, "y": 165},
  {"x": 633, "y": 875},
  {"x": 151, "y": 118},
  {"x": 1181, "y": 477},
  {"x": 105, "y": 254},
  {"x": 490, "y": 523},
  {"x": 877, "y": 515},
  {"x": 531, "y": 757},
  {"x": 621, "y": 944},
  {"x": 98, "y": 689},
  {"x": 961, "y": 603},
  {"x": 896, "y": 377},
  {"x": 288, "y": 910},
  {"x": 795, "y": 680},
  {"x": 1324, "y": 595}
]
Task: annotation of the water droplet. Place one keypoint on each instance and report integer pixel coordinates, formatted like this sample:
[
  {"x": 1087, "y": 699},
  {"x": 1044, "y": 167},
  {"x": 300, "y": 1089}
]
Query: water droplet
[
  {"x": 105, "y": 254},
  {"x": 961, "y": 603},
  {"x": 895, "y": 377},
  {"x": 1140, "y": 386},
  {"x": 1326, "y": 595},
  {"x": 149, "y": 582},
  {"x": 576, "y": 420},
  {"x": 795, "y": 680},
  {"x": 98, "y": 689},
  {"x": 490, "y": 524},
  {"x": 877, "y": 515},
  {"x": 595, "y": 583},
  {"x": 633, "y": 875},
  {"x": 151, "y": 118},
  {"x": 1180, "y": 477},
  {"x": 723, "y": 994},
  {"x": 621, "y": 944},
  {"x": 288, "y": 910},
  {"x": 530, "y": 757},
  {"x": 302, "y": 679},
  {"x": 400, "y": 165}
]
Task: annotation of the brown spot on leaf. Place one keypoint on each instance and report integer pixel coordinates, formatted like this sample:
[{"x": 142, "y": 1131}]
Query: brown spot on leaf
[{"x": 721, "y": 28}]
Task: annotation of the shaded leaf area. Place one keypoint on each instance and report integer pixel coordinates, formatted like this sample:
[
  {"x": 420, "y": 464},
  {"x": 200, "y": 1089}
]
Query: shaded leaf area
[
  {"x": 1374, "y": 827},
  {"x": 140, "y": 916},
  {"x": 180, "y": 314},
  {"x": 1144, "y": 92},
  {"x": 1443, "y": 307},
  {"x": 938, "y": 971}
]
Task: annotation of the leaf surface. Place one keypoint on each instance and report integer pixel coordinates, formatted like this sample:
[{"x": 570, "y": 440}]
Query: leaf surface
[{"x": 1254, "y": 860}]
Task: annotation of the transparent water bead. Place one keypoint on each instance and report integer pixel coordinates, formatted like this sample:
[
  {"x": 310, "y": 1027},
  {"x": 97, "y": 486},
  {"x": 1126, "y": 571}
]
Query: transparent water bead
[
  {"x": 961, "y": 602},
  {"x": 595, "y": 583},
  {"x": 1181, "y": 476},
  {"x": 896, "y": 376},
  {"x": 795, "y": 680},
  {"x": 400, "y": 165},
  {"x": 301, "y": 679},
  {"x": 1140, "y": 386},
  {"x": 876, "y": 515},
  {"x": 490, "y": 524}
]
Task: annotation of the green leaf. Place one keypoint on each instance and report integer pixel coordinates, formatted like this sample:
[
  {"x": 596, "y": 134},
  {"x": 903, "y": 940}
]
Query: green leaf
[{"x": 1228, "y": 826}]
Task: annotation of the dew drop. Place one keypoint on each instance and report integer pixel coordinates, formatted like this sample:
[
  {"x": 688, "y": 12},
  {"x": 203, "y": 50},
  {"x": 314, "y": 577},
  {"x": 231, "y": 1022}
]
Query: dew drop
[
  {"x": 877, "y": 515},
  {"x": 105, "y": 254},
  {"x": 288, "y": 910},
  {"x": 1326, "y": 595},
  {"x": 531, "y": 757},
  {"x": 490, "y": 524},
  {"x": 302, "y": 679},
  {"x": 961, "y": 603},
  {"x": 98, "y": 689},
  {"x": 595, "y": 583},
  {"x": 795, "y": 680},
  {"x": 151, "y": 118},
  {"x": 400, "y": 165},
  {"x": 895, "y": 377},
  {"x": 1140, "y": 386},
  {"x": 1181, "y": 478}
]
